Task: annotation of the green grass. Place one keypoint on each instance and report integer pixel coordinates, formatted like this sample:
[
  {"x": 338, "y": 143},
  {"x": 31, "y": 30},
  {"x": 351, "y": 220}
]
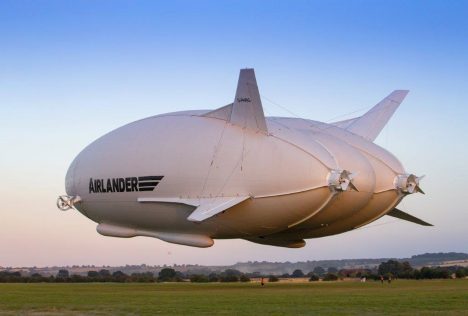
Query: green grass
[{"x": 435, "y": 297}]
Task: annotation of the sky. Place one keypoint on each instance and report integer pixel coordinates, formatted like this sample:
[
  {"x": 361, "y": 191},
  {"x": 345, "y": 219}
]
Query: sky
[{"x": 71, "y": 71}]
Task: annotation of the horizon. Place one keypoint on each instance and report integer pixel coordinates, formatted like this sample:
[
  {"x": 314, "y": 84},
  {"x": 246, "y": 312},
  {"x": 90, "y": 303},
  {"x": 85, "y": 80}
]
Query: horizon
[
  {"x": 240, "y": 263},
  {"x": 72, "y": 72}
]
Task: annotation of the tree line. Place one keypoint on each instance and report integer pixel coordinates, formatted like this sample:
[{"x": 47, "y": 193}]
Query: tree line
[
  {"x": 391, "y": 269},
  {"x": 103, "y": 275}
]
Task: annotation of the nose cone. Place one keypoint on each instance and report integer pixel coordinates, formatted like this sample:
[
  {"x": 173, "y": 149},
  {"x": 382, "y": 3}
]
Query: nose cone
[{"x": 70, "y": 179}]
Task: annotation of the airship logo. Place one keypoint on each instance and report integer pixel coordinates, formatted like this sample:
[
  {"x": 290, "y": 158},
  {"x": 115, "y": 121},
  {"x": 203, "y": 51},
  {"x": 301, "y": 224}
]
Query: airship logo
[{"x": 129, "y": 184}]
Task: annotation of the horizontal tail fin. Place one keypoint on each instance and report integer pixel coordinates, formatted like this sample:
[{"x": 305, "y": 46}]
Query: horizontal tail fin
[
  {"x": 371, "y": 124},
  {"x": 407, "y": 217}
]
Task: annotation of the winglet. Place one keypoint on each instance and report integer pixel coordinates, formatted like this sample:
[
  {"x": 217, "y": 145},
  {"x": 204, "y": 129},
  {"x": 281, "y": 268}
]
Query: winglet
[
  {"x": 247, "y": 110},
  {"x": 371, "y": 124}
]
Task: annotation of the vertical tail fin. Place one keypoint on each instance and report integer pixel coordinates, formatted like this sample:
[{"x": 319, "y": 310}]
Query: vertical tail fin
[
  {"x": 247, "y": 110},
  {"x": 371, "y": 124}
]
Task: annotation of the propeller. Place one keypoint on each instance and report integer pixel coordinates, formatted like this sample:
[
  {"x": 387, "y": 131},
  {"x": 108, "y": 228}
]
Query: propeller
[
  {"x": 341, "y": 180},
  {"x": 412, "y": 184},
  {"x": 409, "y": 184},
  {"x": 65, "y": 202}
]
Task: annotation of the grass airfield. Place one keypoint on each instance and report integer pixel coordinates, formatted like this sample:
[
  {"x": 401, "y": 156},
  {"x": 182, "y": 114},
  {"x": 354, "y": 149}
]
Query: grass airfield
[{"x": 401, "y": 297}]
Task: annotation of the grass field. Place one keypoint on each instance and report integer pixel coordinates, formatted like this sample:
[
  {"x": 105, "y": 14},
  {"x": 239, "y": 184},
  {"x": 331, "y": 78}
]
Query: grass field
[{"x": 435, "y": 297}]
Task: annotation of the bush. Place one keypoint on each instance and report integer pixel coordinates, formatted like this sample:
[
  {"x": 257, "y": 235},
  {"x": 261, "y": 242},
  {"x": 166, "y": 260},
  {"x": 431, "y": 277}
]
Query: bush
[
  {"x": 460, "y": 273},
  {"x": 318, "y": 271},
  {"x": 330, "y": 277},
  {"x": 63, "y": 274},
  {"x": 232, "y": 272},
  {"x": 229, "y": 278},
  {"x": 273, "y": 278},
  {"x": 332, "y": 270},
  {"x": 167, "y": 275},
  {"x": 213, "y": 277},
  {"x": 93, "y": 274},
  {"x": 396, "y": 269},
  {"x": 199, "y": 278},
  {"x": 142, "y": 277},
  {"x": 244, "y": 278},
  {"x": 297, "y": 274},
  {"x": 314, "y": 277}
]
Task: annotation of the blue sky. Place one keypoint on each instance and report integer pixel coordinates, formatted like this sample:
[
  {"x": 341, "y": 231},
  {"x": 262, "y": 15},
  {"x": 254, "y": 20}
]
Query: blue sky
[{"x": 71, "y": 71}]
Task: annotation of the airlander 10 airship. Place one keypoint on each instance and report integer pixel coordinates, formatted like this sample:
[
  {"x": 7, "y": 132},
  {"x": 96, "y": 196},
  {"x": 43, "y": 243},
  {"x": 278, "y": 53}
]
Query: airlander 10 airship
[{"x": 194, "y": 176}]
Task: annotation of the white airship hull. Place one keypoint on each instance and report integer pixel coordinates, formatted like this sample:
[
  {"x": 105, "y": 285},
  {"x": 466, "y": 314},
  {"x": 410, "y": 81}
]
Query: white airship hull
[{"x": 191, "y": 177}]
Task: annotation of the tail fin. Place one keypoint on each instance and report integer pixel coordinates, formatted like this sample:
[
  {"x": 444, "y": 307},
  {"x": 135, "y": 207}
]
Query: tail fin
[
  {"x": 247, "y": 110},
  {"x": 407, "y": 217},
  {"x": 371, "y": 124}
]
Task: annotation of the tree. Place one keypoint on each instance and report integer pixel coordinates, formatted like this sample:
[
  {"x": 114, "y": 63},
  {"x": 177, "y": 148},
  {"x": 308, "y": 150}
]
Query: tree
[
  {"x": 142, "y": 277},
  {"x": 63, "y": 274},
  {"x": 77, "y": 278},
  {"x": 167, "y": 275},
  {"x": 319, "y": 271},
  {"x": 197, "y": 278},
  {"x": 213, "y": 277},
  {"x": 232, "y": 272},
  {"x": 442, "y": 273},
  {"x": 330, "y": 277},
  {"x": 332, "y": 270},
  {"x": 460, "y": 273},
  {"x": 229, "y": 278},
  {"x": 396, "y": 268},
  {"x": 118, "y": 274},
  {"x": 426, "y": 273},
  {"x": 297, "y": 273},
  {"x": 230, "y": 275},
  {"x": 244, "y": 278},
  {"x": 314, "y": 277},
  {"x": 93, "y": 274}
]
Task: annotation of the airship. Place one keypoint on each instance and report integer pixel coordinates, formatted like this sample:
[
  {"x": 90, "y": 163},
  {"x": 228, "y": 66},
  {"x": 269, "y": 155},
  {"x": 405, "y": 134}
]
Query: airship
[{"x": 231, "y": 173}]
